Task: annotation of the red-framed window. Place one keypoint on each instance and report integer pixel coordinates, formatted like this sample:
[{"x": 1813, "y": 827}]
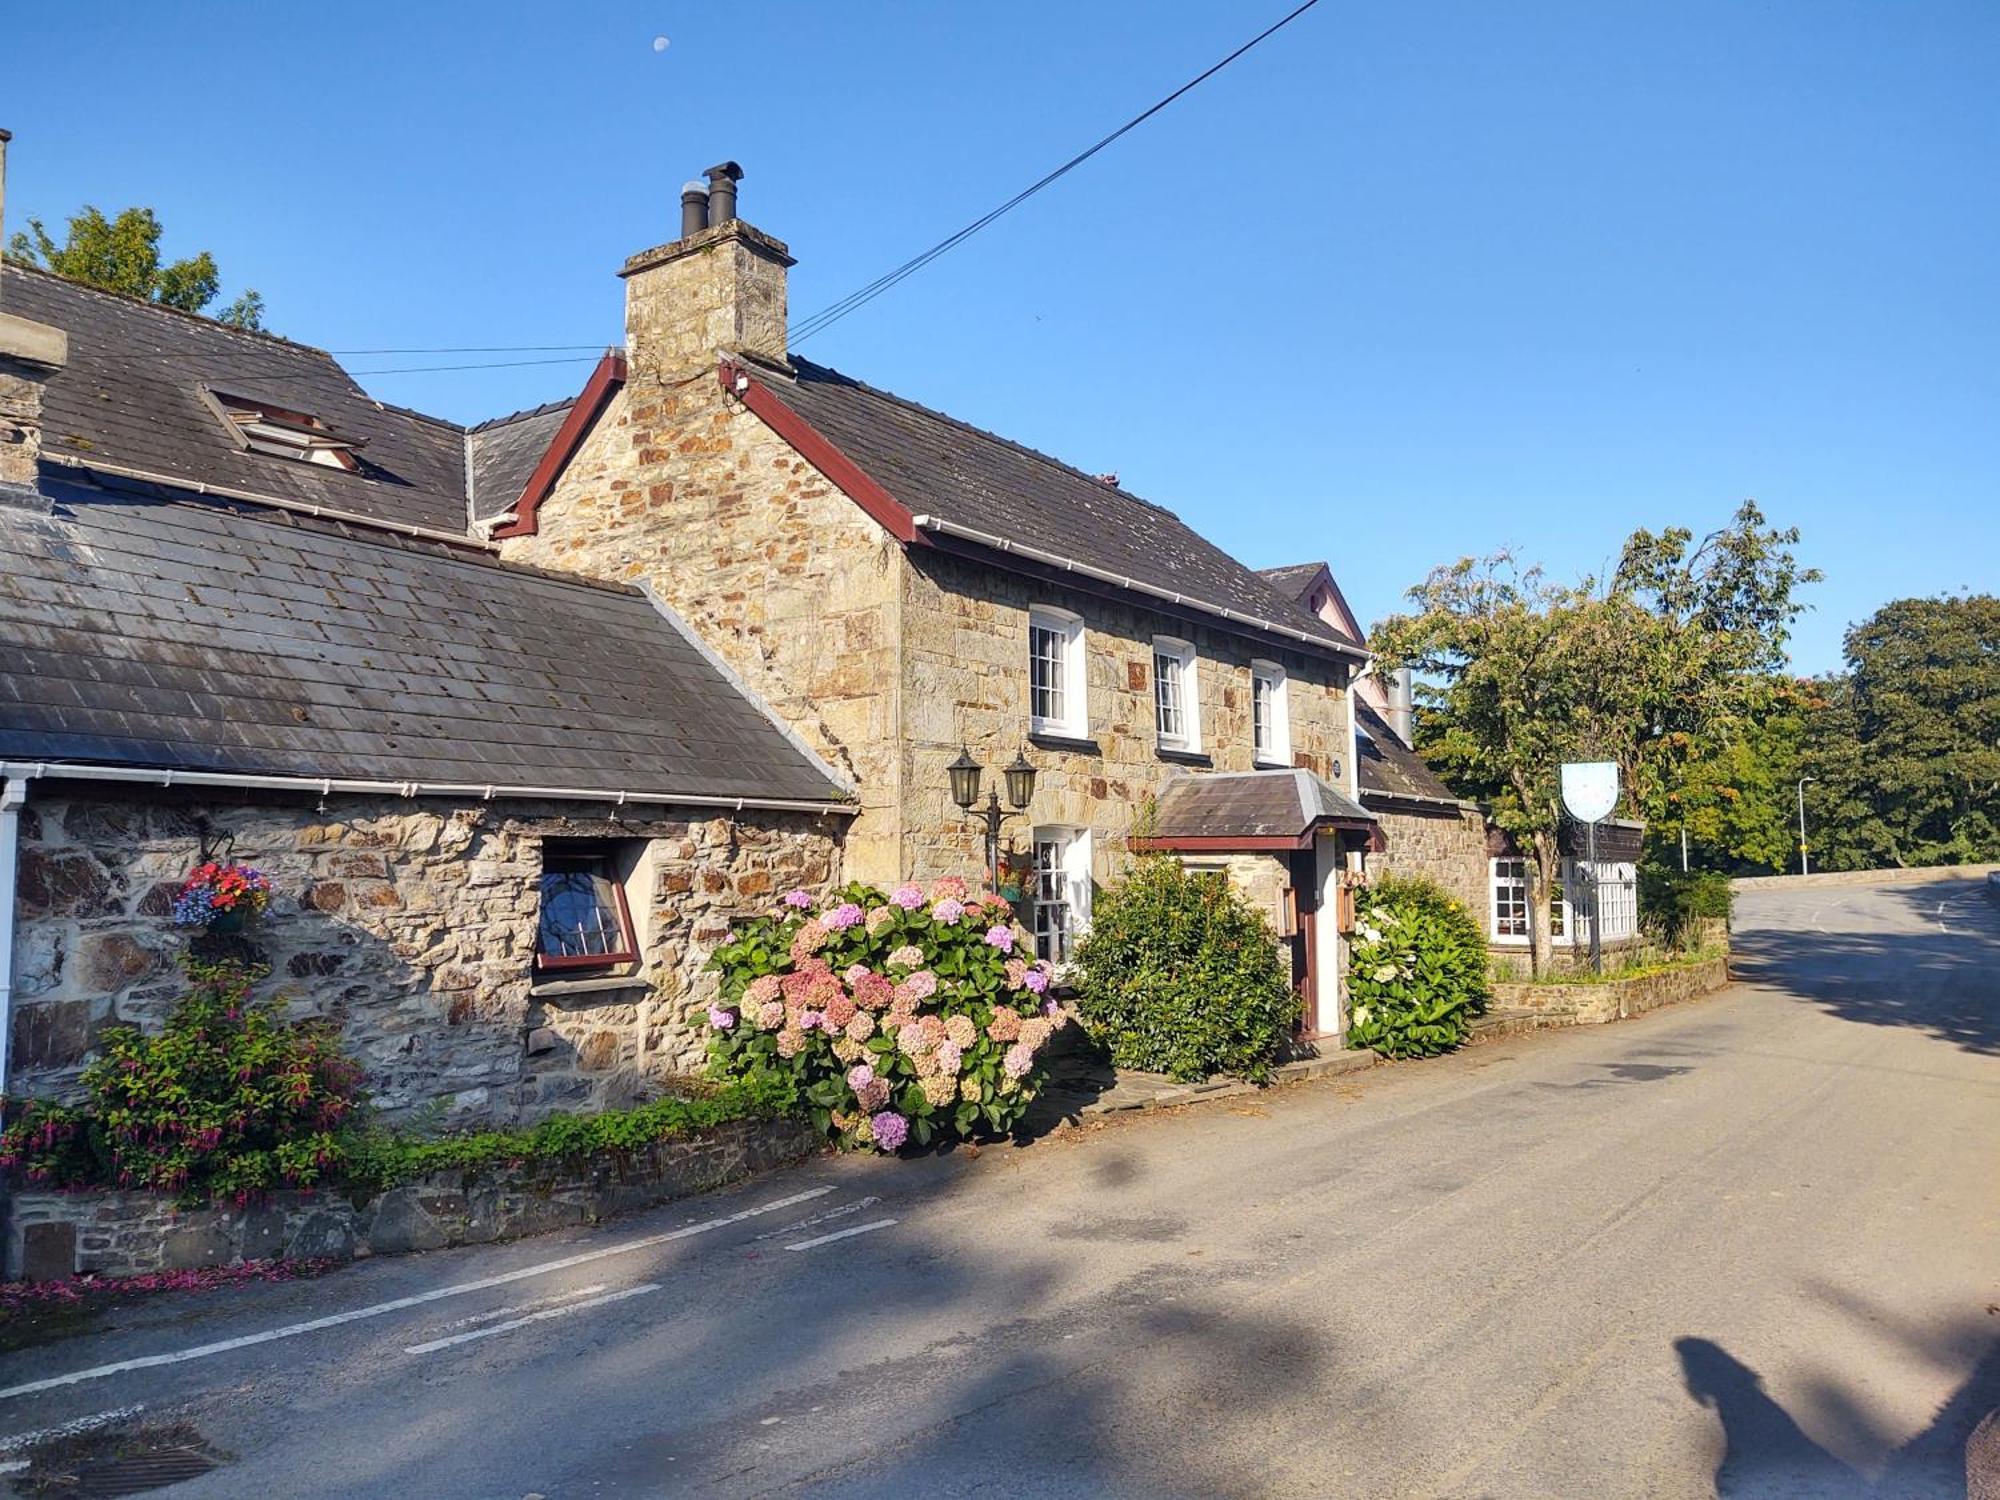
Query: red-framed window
[{"x": 585, "y": 923}]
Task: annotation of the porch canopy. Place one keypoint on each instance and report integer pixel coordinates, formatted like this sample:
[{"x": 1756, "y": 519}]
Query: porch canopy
[{"x": 1231, "y": 812}]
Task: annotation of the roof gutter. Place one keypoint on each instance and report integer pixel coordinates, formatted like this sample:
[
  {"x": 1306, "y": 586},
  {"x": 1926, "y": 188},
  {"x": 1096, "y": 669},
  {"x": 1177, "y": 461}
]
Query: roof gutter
[
  {"x": 13, "y": 794},
  {"x": 1185, "y": 601},
  {"x": 298, "y": 507},
  {"x": 326, "y": 786}
]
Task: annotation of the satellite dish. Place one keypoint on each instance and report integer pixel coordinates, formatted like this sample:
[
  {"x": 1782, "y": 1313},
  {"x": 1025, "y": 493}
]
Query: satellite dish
[{"x": 1590, "y": 789}]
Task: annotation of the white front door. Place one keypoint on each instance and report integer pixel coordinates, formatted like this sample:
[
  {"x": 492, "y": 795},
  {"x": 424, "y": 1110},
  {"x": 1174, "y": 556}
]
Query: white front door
[{"x": 1328, "y": 862}]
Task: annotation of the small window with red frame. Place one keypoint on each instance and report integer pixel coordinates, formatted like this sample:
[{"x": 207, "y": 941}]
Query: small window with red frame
[{"x": 585, "y": 923}]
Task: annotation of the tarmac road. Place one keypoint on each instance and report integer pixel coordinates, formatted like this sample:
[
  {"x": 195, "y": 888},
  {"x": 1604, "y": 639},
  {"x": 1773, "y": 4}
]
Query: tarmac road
[{"x": 1745, "y": 1246}]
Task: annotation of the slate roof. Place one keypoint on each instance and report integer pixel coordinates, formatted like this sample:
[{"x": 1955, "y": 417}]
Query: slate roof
[
  {"x": 1291, "y": 580},
  {"x": 209, "y": 636},
  {"x": 936, "y": 465},
  {"x": 505, "y": 451},
  {"x": 1386, "y": 767},
  {"x": 130, "y": 396},
  {"x": 1250, "y": 804}
]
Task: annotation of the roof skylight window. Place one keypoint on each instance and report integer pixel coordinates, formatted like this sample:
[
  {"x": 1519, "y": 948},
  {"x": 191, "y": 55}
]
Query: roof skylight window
[{"x": 282, "y": 432}]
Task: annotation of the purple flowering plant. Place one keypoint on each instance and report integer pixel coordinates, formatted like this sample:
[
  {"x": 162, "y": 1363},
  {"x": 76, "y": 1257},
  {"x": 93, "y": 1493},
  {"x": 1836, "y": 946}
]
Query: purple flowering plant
[{"x": 895, "y": 1017}]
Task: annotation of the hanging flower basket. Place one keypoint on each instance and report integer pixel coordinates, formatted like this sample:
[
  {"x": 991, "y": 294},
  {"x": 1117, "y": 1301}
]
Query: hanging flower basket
[{"x": 223, "y": 899}]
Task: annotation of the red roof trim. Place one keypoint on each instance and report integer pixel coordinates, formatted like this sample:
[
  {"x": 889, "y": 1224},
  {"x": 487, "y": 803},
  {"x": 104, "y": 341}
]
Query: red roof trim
[
  {"x": 597, "y": 392},
  {"x": 819, "y": 450},
  {"x": 1247, "y": 843}
]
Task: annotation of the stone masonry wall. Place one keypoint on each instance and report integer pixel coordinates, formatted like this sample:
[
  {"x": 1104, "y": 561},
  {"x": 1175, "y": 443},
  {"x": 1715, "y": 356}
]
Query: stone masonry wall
[
  {"x": 965, "y": 648},
  {"x": 777, "y": 571},
  {"x": 1441, "y": 844},
  {"x": 409, "y": 923},
  {"x": 54, "y": 1235}
]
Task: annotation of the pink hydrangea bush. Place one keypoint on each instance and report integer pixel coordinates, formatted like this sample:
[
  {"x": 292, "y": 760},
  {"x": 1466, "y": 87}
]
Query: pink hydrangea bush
[{"x": 897, "y": 1016}]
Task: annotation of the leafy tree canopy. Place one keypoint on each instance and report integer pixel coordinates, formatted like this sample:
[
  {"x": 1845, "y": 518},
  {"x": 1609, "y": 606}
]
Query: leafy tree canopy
[
  {"x": 1906, "y": 751},
  {"x": 122, "y": 255},
  {"x": 1651, "y": 668}
]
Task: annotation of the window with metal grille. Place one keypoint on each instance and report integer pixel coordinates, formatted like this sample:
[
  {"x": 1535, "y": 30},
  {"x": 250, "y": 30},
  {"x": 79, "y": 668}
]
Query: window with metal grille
[
  {"x": 584, "y": 922},
  {"x": 1176, "y": 695},
  {"x": 282, "y": 431},
  {"x": 1056, "y": 674}
]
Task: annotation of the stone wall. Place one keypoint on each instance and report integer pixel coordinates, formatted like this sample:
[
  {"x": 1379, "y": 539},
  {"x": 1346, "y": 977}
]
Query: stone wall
[
  {"x": 681, "y": 487},
  {"x": 53, "y": 1235},
  {"x": 965, "y": 649},
  {"x": 1440, "y": 844},
  {"x": 1614, "y": 999},
  {"x": 409, "y": 923}
]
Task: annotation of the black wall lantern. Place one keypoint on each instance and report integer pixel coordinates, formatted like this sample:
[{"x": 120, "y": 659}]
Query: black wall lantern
[{"x": 965, "y": 773}]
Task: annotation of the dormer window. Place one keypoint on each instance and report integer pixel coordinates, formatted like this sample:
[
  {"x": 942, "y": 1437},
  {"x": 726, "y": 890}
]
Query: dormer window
[{"x": 283, "y": 432}]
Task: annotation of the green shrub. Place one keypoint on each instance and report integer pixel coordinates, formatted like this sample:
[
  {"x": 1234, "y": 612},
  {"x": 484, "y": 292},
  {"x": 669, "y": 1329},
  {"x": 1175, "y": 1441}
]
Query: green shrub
[
  {"x": 895, "y": 1016},
  {"x": 1416, "y": 973},
  {"x": 1180, "y": 976},
  {"x": 1674, "y": 902},
  {"x": 229, "y": 1100}
]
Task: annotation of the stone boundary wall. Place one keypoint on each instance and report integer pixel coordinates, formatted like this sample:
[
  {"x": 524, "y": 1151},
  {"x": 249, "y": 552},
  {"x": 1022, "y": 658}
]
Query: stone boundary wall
[
  {"x": 52, "y": 1235},
  {"x": 1614, "y": 1000},
  {"x": 1900, "y": 876}
]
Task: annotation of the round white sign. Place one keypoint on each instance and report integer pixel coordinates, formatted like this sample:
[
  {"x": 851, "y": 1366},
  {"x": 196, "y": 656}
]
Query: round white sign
[{"x": 1590, "y": 789}]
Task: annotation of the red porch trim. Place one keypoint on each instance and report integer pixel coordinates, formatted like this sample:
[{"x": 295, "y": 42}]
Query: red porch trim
[
  {"x": 1245, "y": 843},
  {"x": 820, "y": 451},
  {"x": 597, "y": 392}
]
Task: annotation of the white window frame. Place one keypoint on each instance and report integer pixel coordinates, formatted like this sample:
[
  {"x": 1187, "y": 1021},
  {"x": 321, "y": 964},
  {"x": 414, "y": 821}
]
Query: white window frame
[
  {"x": 1061, "y": 914},
  {"x": 1176, "y": 675},
  {"x": 1071, "y": 720},
  {"x": 1277, "y": 748},
  {"x": 1566, "y": 911}
]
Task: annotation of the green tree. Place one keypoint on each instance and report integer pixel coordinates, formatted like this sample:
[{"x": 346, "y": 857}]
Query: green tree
[
  {"x": 1906, "y": 749},
  {"x": 1652, "y": 669},
  {"x": 122, "y": 255}
]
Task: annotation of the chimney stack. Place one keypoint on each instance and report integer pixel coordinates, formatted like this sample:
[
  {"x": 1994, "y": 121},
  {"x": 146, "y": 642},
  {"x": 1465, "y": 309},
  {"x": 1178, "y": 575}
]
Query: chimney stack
[
  {"x": 718, "y": 289},
  {"x": 694, "y": 209},
  {"x": 29, "y": 354},
  {"x": 722, "y": 180},
  {"x": 1402, "y": 715}
]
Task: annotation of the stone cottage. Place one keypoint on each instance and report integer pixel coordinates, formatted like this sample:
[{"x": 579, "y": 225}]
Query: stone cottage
[
  {"x": 903, "y": 588},
  {"x": 507, "y": 811}
]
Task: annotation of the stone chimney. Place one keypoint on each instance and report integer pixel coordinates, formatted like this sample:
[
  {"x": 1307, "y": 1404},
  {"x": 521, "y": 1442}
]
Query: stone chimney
[
  {"x": 718, "y": 289},
  {"x": 29, "y": 354}
]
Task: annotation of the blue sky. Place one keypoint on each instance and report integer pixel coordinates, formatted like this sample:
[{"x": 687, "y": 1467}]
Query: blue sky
[{"x": 1409, "y": 282}]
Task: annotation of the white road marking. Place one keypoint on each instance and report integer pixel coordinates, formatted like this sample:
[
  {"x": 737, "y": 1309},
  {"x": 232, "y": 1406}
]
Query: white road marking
[
  {"x": 70, "y": 1428},
  {"x": 334, "y": 1320},
  {"x": 832, "y": 1213},
  {"x": 524, "y": 1307},
  {"x": 842, "y": 1234},
  {"x": 558, "y": 1311}
]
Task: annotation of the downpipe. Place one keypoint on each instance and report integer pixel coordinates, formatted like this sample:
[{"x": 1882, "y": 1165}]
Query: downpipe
[{"x": 13, "y": 796}]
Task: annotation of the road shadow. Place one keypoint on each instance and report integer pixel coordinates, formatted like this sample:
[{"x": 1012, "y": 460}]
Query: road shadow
[
  {"x": 1939, "y": 980},
  {"x": 1768, "y": 1456}
]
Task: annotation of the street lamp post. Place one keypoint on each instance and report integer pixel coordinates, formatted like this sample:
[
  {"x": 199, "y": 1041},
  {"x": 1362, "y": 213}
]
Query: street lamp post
[
  {"x": 1805, "y": 859},
  {"x": 1020, "y": 778}
]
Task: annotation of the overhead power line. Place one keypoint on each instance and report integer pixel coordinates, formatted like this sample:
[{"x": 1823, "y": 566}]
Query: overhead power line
[
  {"x": 492, "y": 364},
  {"x": 827, "y": 316}
]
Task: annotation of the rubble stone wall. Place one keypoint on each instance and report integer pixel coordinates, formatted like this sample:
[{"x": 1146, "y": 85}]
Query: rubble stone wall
[
  {"x": 53, "y": 1235},
  {"x": 409, "y": 923}
]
